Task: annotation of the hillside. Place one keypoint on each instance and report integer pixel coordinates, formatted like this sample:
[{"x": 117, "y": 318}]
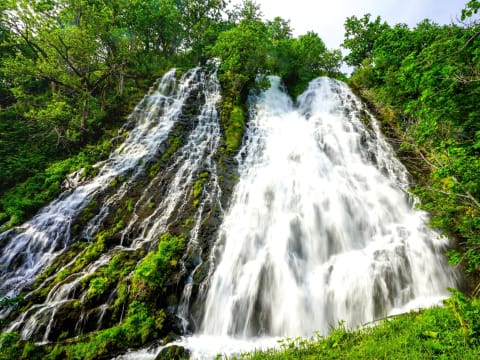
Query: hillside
[{"x": 175, "y": 168}]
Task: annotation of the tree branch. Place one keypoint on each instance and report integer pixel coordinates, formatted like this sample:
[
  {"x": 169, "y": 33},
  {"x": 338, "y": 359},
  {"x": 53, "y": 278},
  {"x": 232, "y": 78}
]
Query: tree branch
[{"x": 64, "y": 56}]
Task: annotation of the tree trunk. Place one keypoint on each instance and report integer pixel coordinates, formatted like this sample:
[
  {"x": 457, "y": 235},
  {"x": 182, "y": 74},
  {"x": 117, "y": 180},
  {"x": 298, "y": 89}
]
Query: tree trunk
[
  {"x": 122, "y": 80},
  {"x": 84, "y": 113}
]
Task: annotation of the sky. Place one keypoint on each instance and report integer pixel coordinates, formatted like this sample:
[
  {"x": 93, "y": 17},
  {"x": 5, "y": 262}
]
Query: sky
[{"x": 326, "y": 17}]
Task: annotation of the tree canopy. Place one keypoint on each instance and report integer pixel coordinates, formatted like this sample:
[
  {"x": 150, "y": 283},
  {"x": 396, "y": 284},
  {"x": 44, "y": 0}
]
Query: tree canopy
[{"x": 68, "y": 68}]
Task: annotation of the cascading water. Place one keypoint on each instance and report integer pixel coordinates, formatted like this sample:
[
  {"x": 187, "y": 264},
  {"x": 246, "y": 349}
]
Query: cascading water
[
  {"x": 320, "y": 228},
  {"x": 28, "y": 249},
  {"x": 161, "y": 201}
]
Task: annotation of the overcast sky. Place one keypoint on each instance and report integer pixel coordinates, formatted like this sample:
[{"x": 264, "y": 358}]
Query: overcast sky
[{"x": 326, "y": 17}]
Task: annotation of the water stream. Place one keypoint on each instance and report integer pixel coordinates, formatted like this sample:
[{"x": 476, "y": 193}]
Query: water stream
[
  {"x": 320, "y": 228},
  {"x": 192, "y": 101}
]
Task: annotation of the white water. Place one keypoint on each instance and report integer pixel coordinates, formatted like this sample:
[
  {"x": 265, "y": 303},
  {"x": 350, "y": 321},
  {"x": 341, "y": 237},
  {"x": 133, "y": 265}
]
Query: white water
[
  {"x": 320, "y": 229},
  {"x": 153, "y": 119},
  {"x": 32, "y": 246}
]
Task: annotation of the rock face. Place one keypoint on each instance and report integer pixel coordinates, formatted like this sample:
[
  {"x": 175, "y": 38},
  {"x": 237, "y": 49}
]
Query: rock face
[{"x": 167, "y": 180}]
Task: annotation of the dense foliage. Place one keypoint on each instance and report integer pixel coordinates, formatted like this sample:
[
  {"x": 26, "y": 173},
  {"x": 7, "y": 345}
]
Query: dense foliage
[
  {"x": 426, "y": 83},
  {"x": 70, "y": 71}
]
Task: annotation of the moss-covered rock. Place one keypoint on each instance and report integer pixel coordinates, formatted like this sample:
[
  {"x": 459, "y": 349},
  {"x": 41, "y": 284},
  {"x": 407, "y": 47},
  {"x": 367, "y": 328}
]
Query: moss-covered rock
[
  {"x": 152, "y": 273},
  {"x": 234, "y": 130},
  {"x": 173, "y": 352}
]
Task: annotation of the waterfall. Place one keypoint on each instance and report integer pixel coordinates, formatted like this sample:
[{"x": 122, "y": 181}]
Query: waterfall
[
  {"x": 320, "y": 228},
  {"x": 157, "y": 201},
  {"x": 29, "y": 248}
]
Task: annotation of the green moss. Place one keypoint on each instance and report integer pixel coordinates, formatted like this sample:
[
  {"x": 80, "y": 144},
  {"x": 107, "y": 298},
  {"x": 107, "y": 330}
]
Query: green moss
[
  {"x": 95, "y": 249},
  {"x": 11, "y": 347},
  {"x": 154, "y": 169},
  {"x": 56, "y": 272},
  {"x": 97, "y": 287},
  {"x": 59, "y": 263},
  {"x": 174, "y": 144},
  {"x": 89, "y": 171},
  {"x": 187, "y": 222},
  {"x": 198, "y": 187},
  {"x": 153, "y": 271},
  {"x": 121, "y": 301},
  {"x": 234, "y": 130},
  {"x": 142, "y": 323},
  {"x": 129, "y": 205},
  {"x": 104, "y": 279},
  {"x": 9, "y": 343},
  {"x": 88, "y": 211}
]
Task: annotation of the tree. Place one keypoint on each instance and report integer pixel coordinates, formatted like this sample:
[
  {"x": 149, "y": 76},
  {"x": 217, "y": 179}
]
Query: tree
[
  {"x": 299, "y": 60},
  {"x": 426, "y": 80},
  {"x": 471, "y": 8},
  {"x": 202, "y": 21},
  {"x": 243, "y": 53},
  {"x": 6, "y": 47},
  {"x": 360, "y": 36},
  {"x": 279, "y": 29}
]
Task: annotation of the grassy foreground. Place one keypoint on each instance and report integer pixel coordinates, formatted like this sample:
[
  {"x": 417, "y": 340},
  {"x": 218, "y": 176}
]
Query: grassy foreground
[{"x": 450, "y": 332}]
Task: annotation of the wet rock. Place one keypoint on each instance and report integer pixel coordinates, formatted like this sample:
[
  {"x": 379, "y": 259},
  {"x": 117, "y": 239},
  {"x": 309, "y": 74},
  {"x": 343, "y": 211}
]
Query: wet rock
[
  {"x": 64, "y": 320},
  {"x": 173, "y": 352},
  {"x": 201, "y": 273}
]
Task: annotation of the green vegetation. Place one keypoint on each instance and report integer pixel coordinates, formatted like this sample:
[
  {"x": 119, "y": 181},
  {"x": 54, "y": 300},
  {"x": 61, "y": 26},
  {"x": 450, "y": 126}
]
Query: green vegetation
[
  {"x": 153, "y": 271},
  {"x": 253, "y": 48},
  {"x": 106, "y": 278},
  {"x": 425, "y": 83},
  {"x": 299, "y": 60},
  {"x": 450, "y": 332},
  {"x": 25, "y": 198},
  {"x": 140, "y": 325},
  {"x": 70, "y": 76},
  {"x": 59, "y": 97},
  {"x": 234, "y": 130},
  {"x": 145, "y": 316},
  {"x": 145, "y": 298},
  {"x": 72, "y": 73},
  {"x": 175, "y": 143},
  {"x": 198, "y": 190}
]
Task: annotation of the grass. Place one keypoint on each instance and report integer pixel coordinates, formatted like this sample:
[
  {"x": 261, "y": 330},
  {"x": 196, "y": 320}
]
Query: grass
[{"x": 449, "y": 332}]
